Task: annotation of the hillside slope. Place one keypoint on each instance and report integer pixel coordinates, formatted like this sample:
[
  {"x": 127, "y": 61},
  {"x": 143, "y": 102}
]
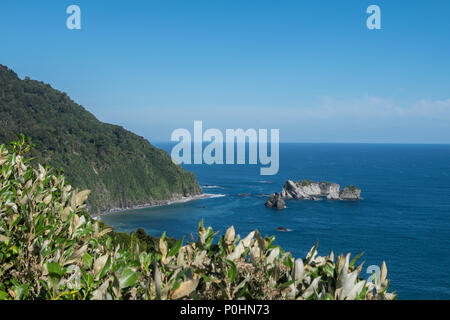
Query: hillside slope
[{"x": 121, "y": 168}]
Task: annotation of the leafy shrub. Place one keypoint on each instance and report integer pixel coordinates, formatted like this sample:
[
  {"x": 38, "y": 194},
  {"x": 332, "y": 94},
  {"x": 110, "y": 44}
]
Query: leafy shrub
[
  {"x": 51, "y": 249},
  {"x": 352, "y": 188}
]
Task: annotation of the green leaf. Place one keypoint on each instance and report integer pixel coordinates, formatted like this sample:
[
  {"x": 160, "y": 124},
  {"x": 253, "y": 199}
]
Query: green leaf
[
  {"x": 21, "y": 291},
  {"x": 315, "y": 272},
  {"x": 105, "y": 268},
  {"x": 285, "y": 285},
  {"x": 14, "y": 250},
  {"x": 289, "y": 262},
  {"x": 90, "y": 280},
  {"x": 3, "y": 295},
  {"x": 176, "y": 247},
  {"x": 128, "y": 278},
  {"x": 352, "y": 263},
  {"x": 54, "y": 267},
  {"x": 375, "y": 278},
  {"x": 362, "y": 294},
  {"x": 108, "y": 243},
  {"x": 100, "y": 265},
  {"x": 205, "y": 277},
  {"x": 329, "y": 296},
  {"x": 55, "y": 273},
  {"x": 329, "y": 270},
  {"x": 87, "y": 258},
  {"x": 176, "y": 285},
  {"x": 232, "y": 272}
]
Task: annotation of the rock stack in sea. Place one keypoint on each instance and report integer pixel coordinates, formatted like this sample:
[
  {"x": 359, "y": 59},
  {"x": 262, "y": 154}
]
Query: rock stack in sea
[
  {"x": 350, "y": 193},
  {"x": 275, "y": 201},
  {"x": 307, "y": 189}
]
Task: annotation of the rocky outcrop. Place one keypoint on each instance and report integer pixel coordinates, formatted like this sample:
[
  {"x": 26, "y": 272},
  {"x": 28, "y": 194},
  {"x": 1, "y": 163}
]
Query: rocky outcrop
[
  {"x": 350, "y": 193},
  {"x": 275, "y": 201},
  {"x": 307, "y": 189},
  {"x": 329, "y": 189}
]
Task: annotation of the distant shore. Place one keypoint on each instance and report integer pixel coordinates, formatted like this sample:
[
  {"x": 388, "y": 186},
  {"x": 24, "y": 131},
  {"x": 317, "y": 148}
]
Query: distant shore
[{"x": 159, "y": 203}]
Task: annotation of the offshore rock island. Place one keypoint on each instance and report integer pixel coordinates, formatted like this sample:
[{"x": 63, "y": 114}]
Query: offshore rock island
[{"x": 307, "y": 189}]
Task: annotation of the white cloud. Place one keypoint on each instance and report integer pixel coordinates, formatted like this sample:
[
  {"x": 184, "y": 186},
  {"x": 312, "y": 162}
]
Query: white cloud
[
  {"x": 375, "y": 108},
  {"x": 363, "y": 119}
]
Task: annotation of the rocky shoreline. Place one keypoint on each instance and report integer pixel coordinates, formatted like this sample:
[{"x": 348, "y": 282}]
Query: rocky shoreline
[
  {"x": 307, "y": 189},
  {"x": 158, "y": 203}
]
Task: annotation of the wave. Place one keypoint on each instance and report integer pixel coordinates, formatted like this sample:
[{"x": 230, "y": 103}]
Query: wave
[
  {"x": 284, "y": 230},
  {"x": 263, "y": 195},
  {"x": 214, "y": 195},
  {"x": 166, "y": 202},
  {"x": 212, "y": 187}
]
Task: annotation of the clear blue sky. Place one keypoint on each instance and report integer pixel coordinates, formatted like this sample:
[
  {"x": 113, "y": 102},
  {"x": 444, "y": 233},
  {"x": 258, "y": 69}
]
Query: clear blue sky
[{"x": 310, "y": 68}]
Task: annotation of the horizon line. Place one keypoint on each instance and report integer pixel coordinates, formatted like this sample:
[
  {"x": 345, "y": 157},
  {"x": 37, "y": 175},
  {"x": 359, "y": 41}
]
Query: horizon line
[{"x": 312, "y": 142}]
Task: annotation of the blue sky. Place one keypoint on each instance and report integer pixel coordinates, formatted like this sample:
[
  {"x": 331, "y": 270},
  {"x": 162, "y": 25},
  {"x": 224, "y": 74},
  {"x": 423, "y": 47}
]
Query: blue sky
[{"x": 309, "y": 68}]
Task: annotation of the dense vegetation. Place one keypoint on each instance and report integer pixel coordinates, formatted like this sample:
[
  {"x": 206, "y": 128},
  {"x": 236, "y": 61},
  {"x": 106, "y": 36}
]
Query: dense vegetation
[
  {"x": 121, "y": 168},
  {"x": 306, "y": 182},
  {"x": 352, "y": 188},
  {"x": 51, "y": 249}
]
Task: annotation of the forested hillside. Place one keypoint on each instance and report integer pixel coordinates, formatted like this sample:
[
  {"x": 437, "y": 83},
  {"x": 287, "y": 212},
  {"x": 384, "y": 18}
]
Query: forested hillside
[{"x": 121, "y": 168}]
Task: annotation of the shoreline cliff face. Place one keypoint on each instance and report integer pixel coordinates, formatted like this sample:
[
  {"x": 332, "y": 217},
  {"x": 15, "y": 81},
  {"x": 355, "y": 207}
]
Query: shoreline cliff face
[
  {"x": 121, "y": 169},
  {"x": 307, "y": 189}
]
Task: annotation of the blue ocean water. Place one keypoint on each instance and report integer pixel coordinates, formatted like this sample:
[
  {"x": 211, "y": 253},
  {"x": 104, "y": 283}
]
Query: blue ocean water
[{"x": 403, "y": 219}]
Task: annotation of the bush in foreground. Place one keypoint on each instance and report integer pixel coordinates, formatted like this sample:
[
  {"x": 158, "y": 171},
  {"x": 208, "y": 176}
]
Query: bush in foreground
[{"x": 51, "y": 249}]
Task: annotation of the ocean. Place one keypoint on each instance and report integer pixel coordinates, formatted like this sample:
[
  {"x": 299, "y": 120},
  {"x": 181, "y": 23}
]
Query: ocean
[{"x": 403, "y": 218}]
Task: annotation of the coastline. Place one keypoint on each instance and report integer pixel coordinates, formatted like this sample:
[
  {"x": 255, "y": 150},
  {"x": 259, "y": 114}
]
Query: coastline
[{"x": 159, "y": 203}]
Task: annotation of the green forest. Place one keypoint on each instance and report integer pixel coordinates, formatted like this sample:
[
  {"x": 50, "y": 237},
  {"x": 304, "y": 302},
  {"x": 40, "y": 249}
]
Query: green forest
[{"x": 121, "y": 168}]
